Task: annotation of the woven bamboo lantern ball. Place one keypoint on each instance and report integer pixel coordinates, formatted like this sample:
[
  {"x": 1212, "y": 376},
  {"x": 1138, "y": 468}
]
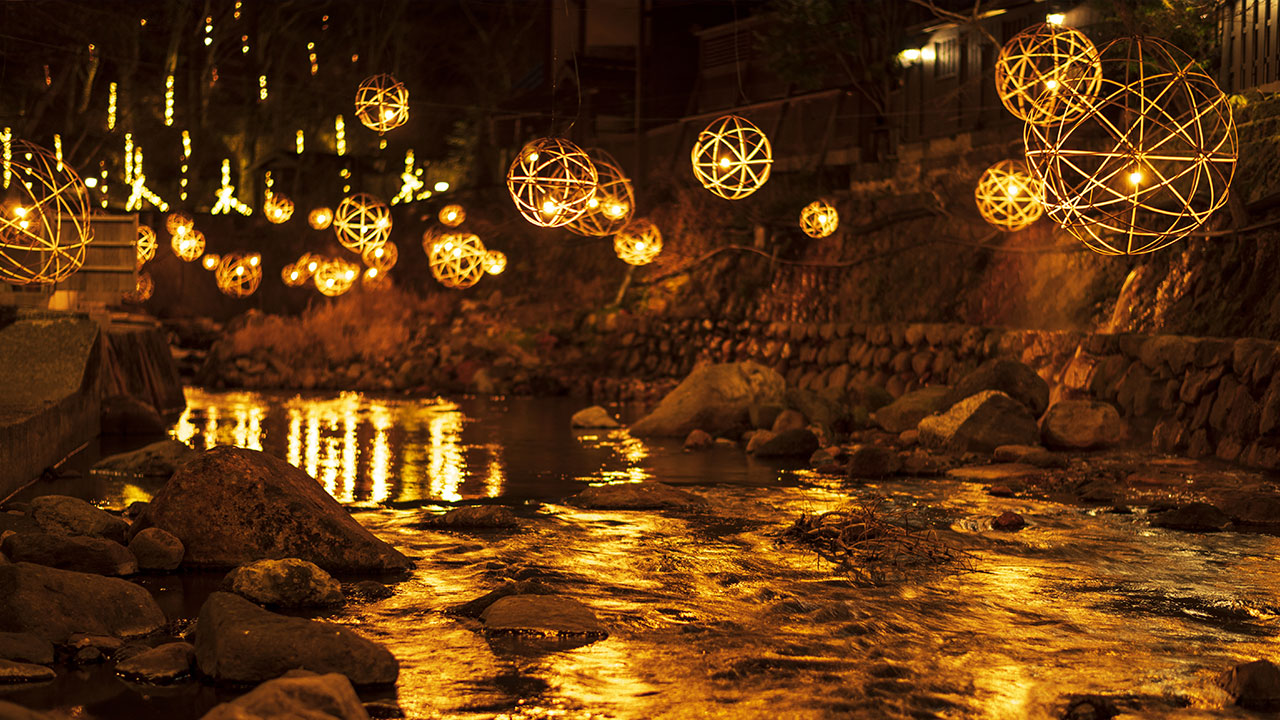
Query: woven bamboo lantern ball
[
  {"x": 383, "y": 257},
  {"x": 320, "y": 218},
  {"x": 277, "y": 208},
  {"x": 210, "y": 261},
  {"x": 1048, "y": 73},
  {"x": 146, "y": 244},
  {"x": 819, "y": 219},
  {"x": 1150, "y": 160},
  {"x": 188, "y": 245},
  {"x": 179, "y": 223},
  {"x": 1008, "y": 195},
  {"x": 293, "y": 276},
  {"x": 457, "y": 260},
  {"x": 732, "y": 157},
  {"x": 552, "y": 182},
  {"x": 44, "y": 218},
  {"x": 495, "y": 261},
  {"x": 375, "y": 279},
  {"x": 237, "y": 276},
  {"x": 639, "y": 243},
  {"x": 382, "y": 103},
  {"x": 143, "y": 289},
  {"x": 335, "y": 276},
  {"x": 309, "y": 264},
  {"x": 452, "y": 215},
  {"x": 362, "y": 221},
  {"x": 614, "y": 203}
]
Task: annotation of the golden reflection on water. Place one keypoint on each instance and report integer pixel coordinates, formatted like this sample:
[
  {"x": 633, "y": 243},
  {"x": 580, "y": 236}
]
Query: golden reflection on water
[{"x": 631, "y": 451}]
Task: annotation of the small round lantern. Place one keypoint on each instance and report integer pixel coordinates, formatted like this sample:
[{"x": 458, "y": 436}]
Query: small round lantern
[
  {"x": 179, "y": 223},
  {"x": 1048, "y": 73},
  {"x": 188, "y": 245},
  {"x": 44, "y": 218},
  {"x": 146, "y": 244},
  {"x": 382, "y": 256},
  {"x": 382, "y": 103},
  {"x": 277, "y": 208},
  {"x": 143, "y": 289},
  {"x": 210, "y": 261},
  {"x": 293, "y": 276},
  {"x": 335, "y": 276},
  {"x": 237, "y": 276},
  {"x": 495, "y": 261},
  {"x": 362, "y": 221},
  {"x": 452, "y": 215},
  {"x": 1148, "y": 162},
  {"x": 375, "y": 279},
  {"x": 638, "y": 243},
  {"x": 732, "y": 157},
  {"x": 310, "y": 264},
  {"x": 819, "y": 219},
  {"x": 614, "y": 203},
  {"x": 457, "y": 260},
  {"x": 552, "y": 182},
  {"x": 320, "y": 218},
  {"x": 1008, "y": 195}
]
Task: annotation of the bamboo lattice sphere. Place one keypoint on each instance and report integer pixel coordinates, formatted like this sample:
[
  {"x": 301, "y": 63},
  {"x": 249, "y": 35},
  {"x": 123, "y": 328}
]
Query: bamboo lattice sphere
[
  {"x": 382, "y": 256},
  {"x": 639, "y": 243},
  {"x": 452, "y": 215},
  {"x": 277, "y": 208},
  {"x": 309, "y": 264},
  {"x": 146, "y": 244},
  {"x": 210, "y": 261},
  {"x": 552, "y": 182},
  {"x": 1149, "y": 162},
  {"x": 143, "y": 289},
  {"x": 614, "y": 203},
  {"x": 44, "y": 218},
  {"x": 457, "y": 260},
  {"x": 1047, "y": 73},
  {"x": 178, "y": 223},
  {"x": 237, "y": 275},
  {"x": 495, "y": 261},
  {"x": 375, "y": 279},
  {"x": 293, "y": 276},
  {"x": 819, "y": 219},
  {"x": 188, "y": 246},
  {"x": 362, "y": 221},
  {"x": 320, "y": 218},
  {"x": 382, "y": 103},
  {"x": 335, "y": 276},
  {"x": 1008, "y": 195},
  {"x": 732, "y": 157}
]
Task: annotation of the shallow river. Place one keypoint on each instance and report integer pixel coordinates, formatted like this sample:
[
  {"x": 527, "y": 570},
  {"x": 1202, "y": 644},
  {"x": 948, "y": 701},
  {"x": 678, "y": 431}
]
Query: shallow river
[{"x": 711, "y": 614}]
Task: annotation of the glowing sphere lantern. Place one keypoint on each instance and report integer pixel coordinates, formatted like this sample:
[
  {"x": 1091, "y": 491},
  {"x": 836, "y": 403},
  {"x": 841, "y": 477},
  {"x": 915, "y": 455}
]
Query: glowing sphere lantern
[
  {"x": 732, "y": 157},
  {"x": 375, "y": 279},
  {"x": 293, "y": 276},
  {"x": 1150, "y": 159},
  {"x": 639, "y": 243},
  {"x": 238, "y": 275},
  {"x": 457, "y": 260},
  {"x": 44, "y": 218},
  {"x": 310, "y": 263},
  {"x": 452, "y": 215},
  {"x": 382, "y": 256},
  {"x": 320, "y": 218},
  {"x": 382, "y": 103},
  {"x": 1008, "y": 195},
  {"x": 188, "y": 245},
  {"x": 552, "y": 182},
  {"x": 277, "y": 208},
  {"x": 819, "y": 219},
  {"x": 335, "y": 276},
  {"x": 146, "y": 244},
  {"x": 495, "y": 261},
  {"x": 1048, "y": 73},
  {"x": 179, "y": 223},
  {"x": 144, "y": 287},
  {"x": 362, "y": 221},
  {"x": 614, "y": 203},
  {"x": 210, "y": 261}
]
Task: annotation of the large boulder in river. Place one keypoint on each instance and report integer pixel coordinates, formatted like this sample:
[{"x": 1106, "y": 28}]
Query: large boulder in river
[
  {"x": 159, "y": 459},
  {"x": 56, "y": 604},
  {"x": 297, "y": 694},
  {"x": 286, "y": 583},
  {"x": 156, "y": 549},
  {"x": 794, "y": 443},
  {"x": 907, "y": 411},
  {"x": 1081, "y": 425},
  {"x": 65, "y": 515},
  {"x": 714, "y": 398},
  {"x": 239, "y": 642},
  {"x": 980, "y": 423},
  {"x": 593, "y": 417},
  {"x": 82, "y": 554},
  {"x": 230, "y": 506},
  {"x": 1010, "y": 377}
]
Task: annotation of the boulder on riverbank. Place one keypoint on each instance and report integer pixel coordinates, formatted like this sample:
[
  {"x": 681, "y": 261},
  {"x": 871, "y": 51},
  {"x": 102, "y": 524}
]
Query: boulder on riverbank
[
  {"x": 55, "y": 604},
  {"x": 594, "y": 417},
  {"x": 714, "y": 398},
  {"x": 80, "y": 553},
  {"x": 297, "y": 694},
  {"x": 1081, "y": 425},
  {"x": 285, "y": 583},
  {"x": 1254, "y": 685},
  {"x": 230, "y": 506},
  {"x": 160, "y": 665},
  {"x": 157, "y": 550},
  {"x": 980, "y": 423},
  {"x": 159, "y": 459},
  {"x": 1006, "y": 375},
  {"x": 64, "y": 515},
  {"x": 906, "y": 412}
]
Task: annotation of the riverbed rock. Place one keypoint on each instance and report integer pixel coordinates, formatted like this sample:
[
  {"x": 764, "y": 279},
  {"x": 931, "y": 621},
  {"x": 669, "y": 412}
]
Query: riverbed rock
[
  {"x": 796, "y": 443},
  {"x": 64, "y": 515},
  {"x": 25, "y": 647},
  {"x": 980, "y": 423},
  {"x": 12, "y": 673},
  {"x": 127, "y": 415},
  {"x": 473, "y": 517},
  {"x": 715, "y": 398},
  {"x": 594, "y": 417},
  {"x": 55, "y": 604},
  {"x": 549, "y": 614},
  {"x": 239, "y": 642},
  {"x": 1008, "y": 521},
  {"x": 284, "y": 583},
  {"x": 1254, "y": 685},
  {"x": 1193, "y": 517},
  {"x": 159, "y": 459},
  {"x": 230, "y": 506},
  {"x": 636, "y": 496},
  {"x": 907, "y": 411},
  {"x": 368, "y": 590},
  {"x": 1081, "y": 425},
  {"x": 160, "y": 665},
  {"x": 157, "y": 550},
  {"x": 77, "y": 552},
  {"x": 789, "y": 420},
  {"x": 298, "y": 694},
  {"x": 699, "y": 440},
  {"x": 873, "y": 461},
  {"x": 1008, "y": 376}
]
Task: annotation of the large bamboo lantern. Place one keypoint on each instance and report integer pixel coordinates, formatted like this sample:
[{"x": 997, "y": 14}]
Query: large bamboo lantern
[
  {"x": 277, "y": 208},
  {"x": 1008, "y": 195},
  {"x": 732, "y": 157},
  {"x": 452, "y": 215},
  {"x": 614, "y": 203},
  {"x": 1151, "y": 159},
  {"x": 382, "y": 103},
  {"x": 1048, "y": 73},
  {"x": 362, "y": 221},
  {"x": 382, "y": 256},
  {"x": 146, "y": 244},
  {"x": 552, "y": 182},
  {"x": 238, "y": 275},
  {"x": 639, "y": 243},
  {"x": 188, "y": 245},
  {"x": 457, "y": 260},
  {"x": 335, "y": 276},
  {"x": 819, "y": 219},
  {"x": 44, "y": 218}
]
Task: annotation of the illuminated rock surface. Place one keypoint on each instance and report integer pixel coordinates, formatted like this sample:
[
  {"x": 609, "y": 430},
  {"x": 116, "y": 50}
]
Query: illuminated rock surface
[
  {"x": 298, "y": 694},
  {"x": 714, "y": 398},
  {"x": 285, "y": 583}
]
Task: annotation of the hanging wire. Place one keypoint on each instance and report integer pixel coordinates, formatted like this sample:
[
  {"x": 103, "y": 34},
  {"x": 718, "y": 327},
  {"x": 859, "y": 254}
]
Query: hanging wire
[
  {"x": 577, "y": 78},
  {"x": 737, "y": 60}
]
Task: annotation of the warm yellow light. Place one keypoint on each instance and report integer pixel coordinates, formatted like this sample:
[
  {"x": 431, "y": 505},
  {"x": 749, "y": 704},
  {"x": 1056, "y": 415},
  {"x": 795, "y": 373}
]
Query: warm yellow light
[
  {"x": 638, "y": 243},
  {"x": 320, "y": 218},
  {"x": 725, "y": 162},
  {"x": 168, "y": 101},
  {"x": 112, "y": 91},
  {"x": 1055, "y": 18},
  {"x": 910, "y": 54},
  {"x": 1135, "y": 177},
  {"x": 441, "y": 186},
  {"x": 299, "y": 142},
  {"x": 1051, "y": 84},
  {"x": 19, "y": 211},
  {"x": 340, "y": 135},
  {"x": 209, "y": 261},
  {"x": 382, "y": 103},
  {"x": 928, "y": 54},
  {"x": 731, "y": 157},
  {"x": 1013, "y": 189},
  {"x": 549, "y": 207}
]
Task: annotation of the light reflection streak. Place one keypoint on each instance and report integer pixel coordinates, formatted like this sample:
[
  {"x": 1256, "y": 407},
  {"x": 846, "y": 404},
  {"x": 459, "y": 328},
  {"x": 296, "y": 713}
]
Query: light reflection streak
[{"x": 448, "y": 465}]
